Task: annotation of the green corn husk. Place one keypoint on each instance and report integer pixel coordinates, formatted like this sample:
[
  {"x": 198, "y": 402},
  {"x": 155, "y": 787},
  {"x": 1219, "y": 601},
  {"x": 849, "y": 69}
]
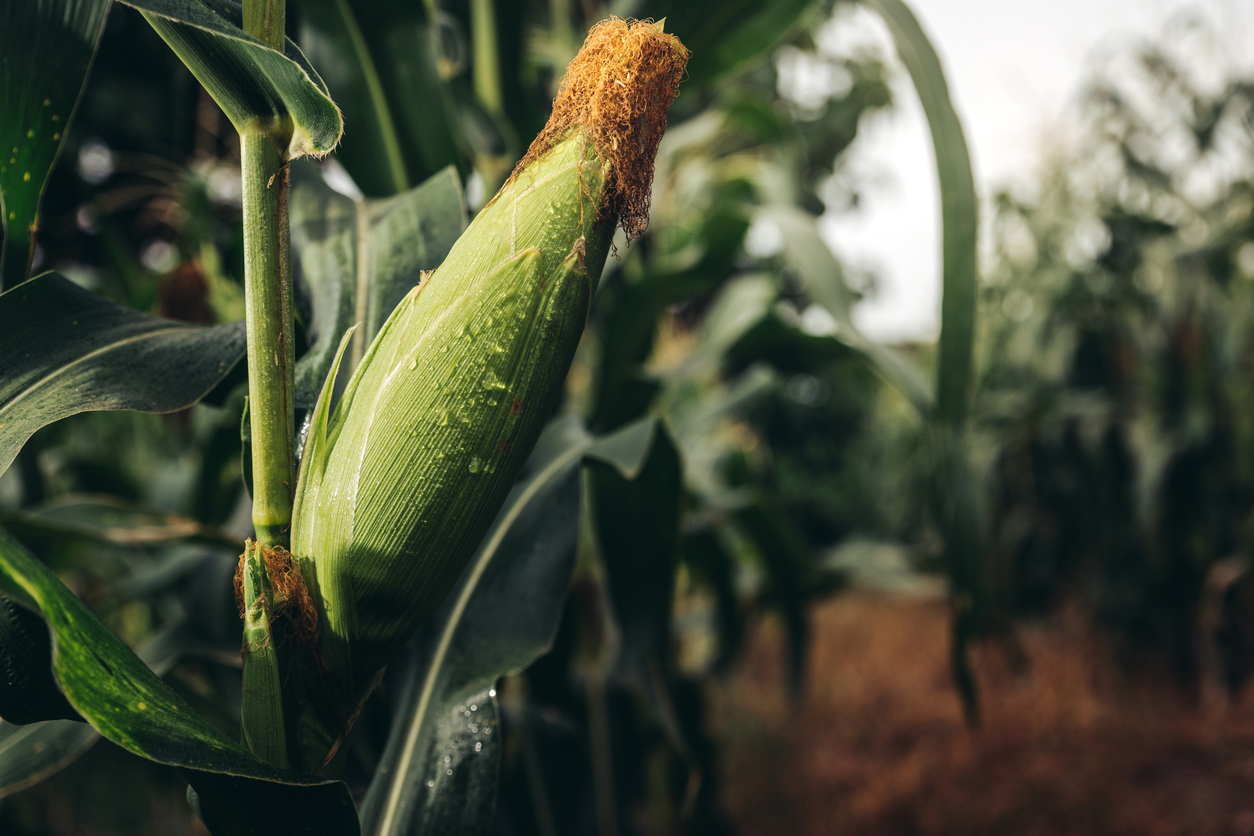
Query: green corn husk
[
  {"x": 262, "y": 726},
  {"x": 398, "y": 487}
]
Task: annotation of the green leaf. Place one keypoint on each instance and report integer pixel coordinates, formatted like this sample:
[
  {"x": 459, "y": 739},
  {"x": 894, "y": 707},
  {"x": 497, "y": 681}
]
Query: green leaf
[
  {"x": 623, "y": 389},
  {"x": 46, "y": 50},
  {"x": 378, "y": 59},
  {"x": 959, "y": 209},
  {"x": 32, "y": 752},
  {"x": 724, "y": 34},
  {"x": 125, "y": 701},
  {"x": 697, "y": 422},
  {"x": 965, "y": 555},
  {"x": 64, "y": 350},
  {"x": 781, "y": 343},
  {"x": 259, "y": 89},
  {"x": 501, "y": 615},
  {"x": 356, "y": 260},
  {"x": 957, "y": 498},
  {"x": 29, "y": 754}
]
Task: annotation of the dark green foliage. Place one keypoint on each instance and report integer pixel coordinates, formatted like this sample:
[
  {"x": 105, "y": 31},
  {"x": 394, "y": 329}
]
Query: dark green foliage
[
  {"x": 69, "y": 351},
  {"x": 113, "y": 689},
  {"x": 46, "y": 49},
  {"x": 380, "y": 64},
  {"x": 500, "y": 617}
]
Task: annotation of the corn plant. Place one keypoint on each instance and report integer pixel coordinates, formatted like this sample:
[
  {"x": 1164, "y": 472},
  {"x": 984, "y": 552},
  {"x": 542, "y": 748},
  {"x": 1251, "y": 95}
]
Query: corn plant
[{"x": 414, "y": 503}]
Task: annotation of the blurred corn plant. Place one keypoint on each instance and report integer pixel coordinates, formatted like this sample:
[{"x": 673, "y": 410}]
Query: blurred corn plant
[
  {"x": 401, "y": 366},
  {"x": 1115, "y": 383}
]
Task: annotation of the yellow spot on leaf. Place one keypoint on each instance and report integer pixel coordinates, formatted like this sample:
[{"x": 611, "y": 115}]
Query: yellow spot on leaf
[
  {"x": 47, "y": 102},
  {"x": 142, "y": 706},
  {"x": 26, "y": 177},
  {"x": 56, "y": 136}
]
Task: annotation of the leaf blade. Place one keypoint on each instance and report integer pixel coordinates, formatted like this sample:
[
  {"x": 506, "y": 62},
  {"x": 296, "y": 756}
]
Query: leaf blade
[
  {"x": 46, "y": 52},
  {"x": 30, "y": 753},
  {"x": 957, "y": 499},
  {"x": 959, "y": 211},
  {"x": 127, "y": 703},
  {"x": 65, "y": 350}
]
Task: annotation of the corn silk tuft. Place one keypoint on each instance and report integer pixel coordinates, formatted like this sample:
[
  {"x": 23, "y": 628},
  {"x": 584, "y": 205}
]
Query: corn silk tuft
[{"x": 618, "y": 89}]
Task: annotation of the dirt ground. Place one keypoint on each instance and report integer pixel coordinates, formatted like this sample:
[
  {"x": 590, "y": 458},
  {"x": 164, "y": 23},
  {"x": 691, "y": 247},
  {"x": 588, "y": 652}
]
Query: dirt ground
[{"x": 879, "y": 746}]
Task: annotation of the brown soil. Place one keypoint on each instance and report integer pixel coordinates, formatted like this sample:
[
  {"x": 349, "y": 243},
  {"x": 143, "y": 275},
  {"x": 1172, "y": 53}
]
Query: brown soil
[{"x": 879, "y": 746}]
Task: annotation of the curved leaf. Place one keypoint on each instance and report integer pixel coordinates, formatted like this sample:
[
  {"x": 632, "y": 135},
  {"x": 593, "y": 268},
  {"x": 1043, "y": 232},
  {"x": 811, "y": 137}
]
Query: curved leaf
[
  {"x": 32, "y": 752},
  {"x": 355, "y": 260},
  {"x": 127, "y": 703},
  {"x": 257, "y": 88},
  {"x": 64, "y": 350},
  {"x": 957, "y": 498},
  {"x": 438, "y": 774},
  {"x": 959, "y": 209},
  {"x": 46, "y": 50}
]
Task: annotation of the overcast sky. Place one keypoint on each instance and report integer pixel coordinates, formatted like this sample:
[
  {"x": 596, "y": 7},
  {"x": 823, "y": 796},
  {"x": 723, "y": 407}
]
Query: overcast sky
[{"x": 1013, "y": 68}]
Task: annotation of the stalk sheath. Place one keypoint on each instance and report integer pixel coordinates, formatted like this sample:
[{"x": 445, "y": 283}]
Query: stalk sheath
[{"x": 271, "y": 397}]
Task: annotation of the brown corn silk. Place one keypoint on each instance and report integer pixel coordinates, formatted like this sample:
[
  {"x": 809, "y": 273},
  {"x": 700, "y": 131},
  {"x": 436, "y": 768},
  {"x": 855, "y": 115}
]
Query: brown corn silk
[
  {"x": 618, "y": 89},
  {"x": 291, "y": 597}
]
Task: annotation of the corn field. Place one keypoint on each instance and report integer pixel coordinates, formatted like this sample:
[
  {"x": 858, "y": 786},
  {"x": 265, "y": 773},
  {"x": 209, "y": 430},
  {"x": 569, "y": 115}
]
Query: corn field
[{"x": 450, "y": 417}]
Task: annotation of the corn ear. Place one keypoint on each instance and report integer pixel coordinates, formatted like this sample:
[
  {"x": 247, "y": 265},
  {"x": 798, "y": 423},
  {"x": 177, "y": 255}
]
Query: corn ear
[
  {"x": 399, "y": 485},
  {"x": 441, "y": 414}
]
